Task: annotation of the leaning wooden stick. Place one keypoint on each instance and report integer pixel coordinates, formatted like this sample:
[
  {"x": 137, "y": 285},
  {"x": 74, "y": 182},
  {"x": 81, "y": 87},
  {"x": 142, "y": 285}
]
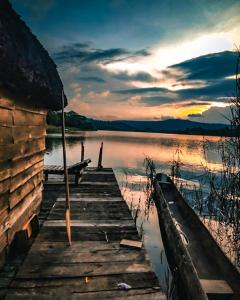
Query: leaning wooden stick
[
  {"x": 82, "y": 151},
  {"x": 67, "y": 216},
  {"x": 100, "y": 157}
]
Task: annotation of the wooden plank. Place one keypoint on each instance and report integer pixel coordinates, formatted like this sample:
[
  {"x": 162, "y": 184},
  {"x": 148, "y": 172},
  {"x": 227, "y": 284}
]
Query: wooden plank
[
  {"x": 3, "y": 241},
  {"x": 27, "y": 107},
  {"x": 23, "y": 190},
  {"x": 82, "y": 269},
  {"x": 217, "y": 288},
  {"x": 6, "y": 136},
  {"x": 24, "y": 149},
  {"x": 93, "y": 200},
  {"x": 3, "y": 221},
  {"x": 131, "y": 244},
  {"x": 77, "y": 235},
  {"x": 47, "y": 258},
  {"x": 25, "y": 133},
  {"x": 4, "y": 198},
  {"x": 98, "y": 183},
  {"x": 24, "y": 210},
  {"x": 88, "y": 223},
  {"x": 23, "y": 177},
  {"x": 5, "y": 185},
  {"x": 22, "y": 118},
  {"x": 65, "y": 293},
  {"x": 21, "y": 150},
  {"x": 6, "y": 103},
  {"x": 96, "y": 283},
  {"x": 77, "y": 246},
  {"x": 5, "y": 170},
  {"x": 6, "y": 117},
  {"x": 22, "y": 164}
]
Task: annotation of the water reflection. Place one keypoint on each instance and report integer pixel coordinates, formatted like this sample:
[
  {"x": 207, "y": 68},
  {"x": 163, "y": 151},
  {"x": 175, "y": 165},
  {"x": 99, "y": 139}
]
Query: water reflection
[{"x": 125, "y": 152}]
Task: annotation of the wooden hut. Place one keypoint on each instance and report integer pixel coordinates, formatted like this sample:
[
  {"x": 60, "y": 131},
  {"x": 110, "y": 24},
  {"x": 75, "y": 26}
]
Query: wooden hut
[{"x": 29, "y": 87}]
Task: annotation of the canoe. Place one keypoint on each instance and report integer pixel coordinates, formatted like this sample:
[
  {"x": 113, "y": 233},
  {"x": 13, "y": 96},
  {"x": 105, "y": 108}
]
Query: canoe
[{"x": 195, "y": 258}]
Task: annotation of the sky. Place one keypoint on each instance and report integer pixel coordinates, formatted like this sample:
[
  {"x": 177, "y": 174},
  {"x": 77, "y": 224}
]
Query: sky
[{"x": 141, "y": 59}]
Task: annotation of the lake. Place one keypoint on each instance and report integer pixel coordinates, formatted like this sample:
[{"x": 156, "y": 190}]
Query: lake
[{"x": 125, "y": 153}]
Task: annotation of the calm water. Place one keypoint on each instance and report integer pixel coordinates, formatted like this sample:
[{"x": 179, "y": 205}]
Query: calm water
[{"x": 125, "y": 153}]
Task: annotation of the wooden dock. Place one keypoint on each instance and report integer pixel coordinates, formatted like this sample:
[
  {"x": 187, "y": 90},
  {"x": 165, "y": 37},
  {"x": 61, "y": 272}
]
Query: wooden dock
[{"x": 95, "y": 263}]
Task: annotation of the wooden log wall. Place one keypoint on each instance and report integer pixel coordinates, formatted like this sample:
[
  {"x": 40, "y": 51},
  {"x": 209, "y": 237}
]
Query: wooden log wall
[{"x": 22, "y": 145}]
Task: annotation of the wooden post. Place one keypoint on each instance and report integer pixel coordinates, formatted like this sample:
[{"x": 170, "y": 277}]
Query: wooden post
[
  {"x": 67, "y": 216},
  {"x": 100, "y": 157},
  {"x": 82, "y": 151}
]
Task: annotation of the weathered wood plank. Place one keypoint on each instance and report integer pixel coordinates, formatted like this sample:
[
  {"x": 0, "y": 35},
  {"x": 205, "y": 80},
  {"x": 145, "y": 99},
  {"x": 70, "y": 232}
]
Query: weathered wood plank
[
  {"x": 6, "y": 103},
  {"x": 65, "y": 292},
  {"x": 87, "y": 223},
  {"x": 24, "y": 149},
  {"x": 21, "y": 150},
  {"x": 23, "y": 190},
  {"x": 26, "y": 133},
  {"x": 77, "y": 246},
  {"x": 96, "y": 283},
  {"x": 22, "y": 118},
  {"x": 82, "y": 269},
  {"x": 93, "y": 200},
  {"x": 23, "y": 211},
  {"x": 3, "y": 241},
  {"x": 4, "y": 198},
  {"x": 6, "y": 136},
  {"x": 5, "y": 185},
  {"x": 22, "y": 164},
  {"x": 23, "y": 177},
  {"x": 6, "y": 117},
  {"x": 84, "y": 257}
]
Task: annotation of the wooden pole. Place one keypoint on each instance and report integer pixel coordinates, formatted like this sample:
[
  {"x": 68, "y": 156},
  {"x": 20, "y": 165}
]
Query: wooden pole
[
  {"x": 82, "y": 151},
  {"x": 100, "y": 157},
  {"x": 67, "y": 216}
]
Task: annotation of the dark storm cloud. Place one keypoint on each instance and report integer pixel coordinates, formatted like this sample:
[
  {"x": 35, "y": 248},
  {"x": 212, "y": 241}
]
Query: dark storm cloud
[
  {"x": 211, "y": 70},
  {"x": 195, "y": 104},
  {"x": 139, "y": 91},
  {"x": 222, "y": 88},
  {"x": 157, "y": 100},
  {"x": 140, "y": 76},
  {"x": 93, "y": 79},
  {"x": 208, "y": 67},
  {"x": 83, "y": 53}
]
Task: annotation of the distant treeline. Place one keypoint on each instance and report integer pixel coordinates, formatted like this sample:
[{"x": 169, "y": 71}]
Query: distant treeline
[
  {"x": 72, "y": 120},
  {"x": 75, "y": 121}
]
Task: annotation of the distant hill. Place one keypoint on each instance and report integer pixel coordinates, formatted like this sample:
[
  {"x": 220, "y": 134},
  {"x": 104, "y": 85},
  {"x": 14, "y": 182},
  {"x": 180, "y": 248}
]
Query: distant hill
[{"x": 165, "y": 126}]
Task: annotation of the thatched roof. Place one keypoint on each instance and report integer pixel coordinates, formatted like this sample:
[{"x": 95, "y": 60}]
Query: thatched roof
[{"x": 26, "y": 69}]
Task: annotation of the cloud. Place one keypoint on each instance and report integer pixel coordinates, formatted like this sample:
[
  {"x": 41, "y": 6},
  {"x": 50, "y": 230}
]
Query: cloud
[
  {"x": 92, "y": 79},
  {"x": 84, "y": 53},
  {"x": 139, "y": 76},
  {"x": 207, "y": 67},
  {"x": 214, "y": 115},
  {"x": 197, "y": 103},
  {"x": 142, "y": 91}
]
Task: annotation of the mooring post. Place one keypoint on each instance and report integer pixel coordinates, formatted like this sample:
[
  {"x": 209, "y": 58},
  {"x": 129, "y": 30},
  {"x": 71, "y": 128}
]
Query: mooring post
[
  {"x": 82, "y": 151},
  {"x": 100, "y": 157}
]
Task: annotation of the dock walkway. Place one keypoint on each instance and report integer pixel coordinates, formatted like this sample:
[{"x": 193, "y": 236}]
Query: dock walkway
[{"x": 95, "y": 263}]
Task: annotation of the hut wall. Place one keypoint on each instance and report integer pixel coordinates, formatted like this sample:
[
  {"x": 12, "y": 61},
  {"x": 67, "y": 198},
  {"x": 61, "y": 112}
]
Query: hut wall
[{"x": 22, "y": 145}]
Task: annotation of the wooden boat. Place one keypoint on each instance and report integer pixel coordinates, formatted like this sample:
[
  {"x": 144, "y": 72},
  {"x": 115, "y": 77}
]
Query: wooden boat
[{"x": 202, "y": 268}]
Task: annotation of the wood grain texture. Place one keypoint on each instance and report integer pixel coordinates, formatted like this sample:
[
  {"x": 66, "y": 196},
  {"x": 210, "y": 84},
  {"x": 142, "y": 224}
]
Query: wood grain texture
[
  {"x": 22, "y": 142},
  {"x": 53, "y": 269}
]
